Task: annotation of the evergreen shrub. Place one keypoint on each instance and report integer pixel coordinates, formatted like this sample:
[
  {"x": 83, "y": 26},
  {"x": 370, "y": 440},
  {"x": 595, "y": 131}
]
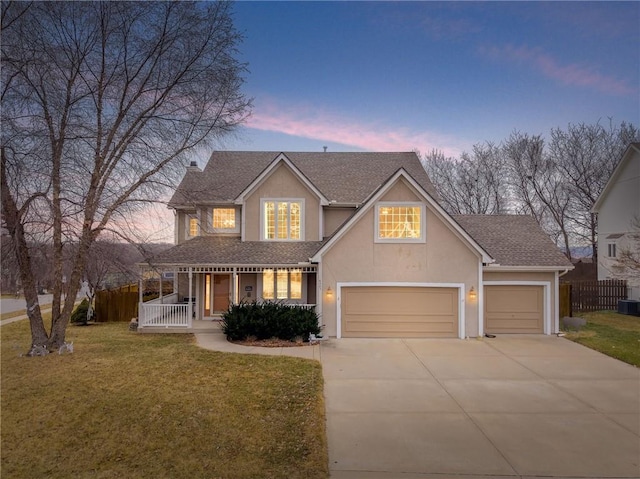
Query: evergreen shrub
[{"x": 268, "y": 319}]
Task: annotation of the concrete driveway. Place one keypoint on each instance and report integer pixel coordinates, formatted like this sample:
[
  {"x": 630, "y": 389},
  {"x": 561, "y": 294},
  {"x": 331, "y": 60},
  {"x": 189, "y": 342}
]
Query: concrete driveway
[{"x": 513, "y": 406}]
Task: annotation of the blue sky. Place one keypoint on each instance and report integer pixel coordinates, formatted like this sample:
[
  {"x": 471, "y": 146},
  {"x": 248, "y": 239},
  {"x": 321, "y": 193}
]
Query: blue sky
[{"x": 398, "y": 76}]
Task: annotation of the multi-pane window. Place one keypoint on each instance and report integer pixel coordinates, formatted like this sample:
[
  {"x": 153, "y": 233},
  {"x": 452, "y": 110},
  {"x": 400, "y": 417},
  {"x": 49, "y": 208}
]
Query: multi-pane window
[
  {"x": 295, "y": 284},
  {"x": 399, "y": 222},
  {"x": 268, "y": 289},
  {"x": 224, "y": 218},
  {"x": 612, "y": 250},
  {"x": 193, "y": 227},
  {"x": 282, "y": 220},
  {"x": 281, "y": 284}
]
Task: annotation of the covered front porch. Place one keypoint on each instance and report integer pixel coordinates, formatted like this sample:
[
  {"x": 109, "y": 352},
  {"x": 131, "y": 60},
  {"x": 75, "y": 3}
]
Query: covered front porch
[{"x": 202, "y": 293}]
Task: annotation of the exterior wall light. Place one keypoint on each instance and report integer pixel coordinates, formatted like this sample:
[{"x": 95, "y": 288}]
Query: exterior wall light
[
  {"x": 472, "y": 293},
  {"x": 329, "y": 292}
]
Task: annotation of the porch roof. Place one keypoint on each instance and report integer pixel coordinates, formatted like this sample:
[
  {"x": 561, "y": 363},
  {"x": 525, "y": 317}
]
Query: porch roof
[{"x": 217, "y": 250}]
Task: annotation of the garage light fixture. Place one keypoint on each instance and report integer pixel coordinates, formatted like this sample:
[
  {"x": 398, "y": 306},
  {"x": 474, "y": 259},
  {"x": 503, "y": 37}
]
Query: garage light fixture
[
  {"x": 472, "y": 293},
  {"x": 329, "y": 292}
]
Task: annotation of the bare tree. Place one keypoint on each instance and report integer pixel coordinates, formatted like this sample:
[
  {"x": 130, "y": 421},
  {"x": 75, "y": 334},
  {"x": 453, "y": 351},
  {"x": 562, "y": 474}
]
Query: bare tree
[
  {"x": 586, "y": 155},
  {"x": 101, "y": 103},
  {"x": 476, "y": 183},
  {"x": 538, "y": 188}
]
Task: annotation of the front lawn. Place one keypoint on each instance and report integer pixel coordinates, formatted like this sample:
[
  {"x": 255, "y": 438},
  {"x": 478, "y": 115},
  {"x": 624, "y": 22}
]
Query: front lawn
[
  {"x": 144, "y": 405},
  {"x": 616, "y": 335}
]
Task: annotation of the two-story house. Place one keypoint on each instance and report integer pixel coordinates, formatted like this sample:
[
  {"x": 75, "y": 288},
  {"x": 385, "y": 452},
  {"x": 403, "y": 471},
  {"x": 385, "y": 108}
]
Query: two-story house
[
  {"x": 360, "y": 237},
  {"x": 618, "y": 210}
]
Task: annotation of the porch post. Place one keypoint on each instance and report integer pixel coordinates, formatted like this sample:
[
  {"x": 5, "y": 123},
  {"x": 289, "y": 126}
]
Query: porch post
[
  {"x": 234, "y": 289},
  {"x": 160, "y": 283},
  {"x": 189, "y": 305},
  {"x": 140, "y": 305},
  {"x": 175, "y": 281}
]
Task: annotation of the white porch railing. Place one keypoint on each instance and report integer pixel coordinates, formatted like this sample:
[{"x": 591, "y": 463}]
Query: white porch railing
[
  {"x": 167, "y": 299},
  {"x": 165, "y": 315},
  {"x": 303, "y": 306}
]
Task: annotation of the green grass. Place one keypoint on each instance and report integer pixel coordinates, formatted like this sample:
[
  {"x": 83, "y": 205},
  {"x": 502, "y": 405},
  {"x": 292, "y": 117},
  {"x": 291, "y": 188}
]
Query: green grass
[
  {"x": 133, "y": 405},
  {"x": 616, "y": 335}
]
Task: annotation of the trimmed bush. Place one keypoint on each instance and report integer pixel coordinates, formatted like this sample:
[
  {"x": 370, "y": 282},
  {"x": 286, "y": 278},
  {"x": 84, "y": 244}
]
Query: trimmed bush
[{"x": 268, "y": 319}]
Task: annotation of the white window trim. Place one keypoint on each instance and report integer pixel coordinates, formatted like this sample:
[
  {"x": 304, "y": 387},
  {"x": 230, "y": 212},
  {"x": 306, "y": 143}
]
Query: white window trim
[
  {"x": 612, "y": 245},
  {"x": 282, "y": 200},
  {"x": 235, "y": 229},
  {"x": 423, "y": 223}
]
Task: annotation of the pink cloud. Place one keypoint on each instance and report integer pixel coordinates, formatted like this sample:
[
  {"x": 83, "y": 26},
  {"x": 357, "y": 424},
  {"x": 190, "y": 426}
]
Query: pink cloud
[
  {"x": 307, "y": 122},
  {"x": 572, "y": 74}
]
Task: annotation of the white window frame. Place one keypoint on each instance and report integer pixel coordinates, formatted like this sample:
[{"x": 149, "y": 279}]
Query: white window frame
[
  {"x": 390, "y": 204},
  {"x": 612, "y": 247},
  {"x": 263, "y": 236},
  {"x": 235, "y": 229}
]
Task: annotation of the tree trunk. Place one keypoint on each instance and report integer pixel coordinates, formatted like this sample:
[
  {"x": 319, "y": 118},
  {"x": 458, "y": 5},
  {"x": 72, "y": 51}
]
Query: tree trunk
[{"x": 15, "y": 227}]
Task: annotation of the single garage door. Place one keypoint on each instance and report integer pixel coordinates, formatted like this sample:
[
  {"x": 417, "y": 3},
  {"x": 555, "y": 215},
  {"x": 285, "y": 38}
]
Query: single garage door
[
  {"x": 399, "y": 312},
  {"x": 514, "y": 309}
]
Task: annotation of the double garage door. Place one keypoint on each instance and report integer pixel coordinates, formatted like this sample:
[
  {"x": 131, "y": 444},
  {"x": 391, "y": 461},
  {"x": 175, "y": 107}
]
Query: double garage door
[
  {"x": 428, "y": 312},
  {"x": 393, "y": 311}
]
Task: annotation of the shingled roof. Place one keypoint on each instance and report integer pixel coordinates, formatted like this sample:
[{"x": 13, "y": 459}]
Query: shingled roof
[
  {"x": 225, "y": 250},
  {"x": 345, "y": 178},
  {"x": 513, "y": 240}
]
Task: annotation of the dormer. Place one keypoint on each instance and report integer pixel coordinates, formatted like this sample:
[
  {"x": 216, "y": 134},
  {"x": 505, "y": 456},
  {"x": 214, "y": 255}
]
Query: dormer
[{"x": 281, "y": 204}]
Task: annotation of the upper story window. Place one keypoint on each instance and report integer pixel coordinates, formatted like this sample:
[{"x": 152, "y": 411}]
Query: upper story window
[
  {"x": 612, "y": 250},
  {"x": 400, "y": 222},
  {"x": 282, "y": 219},
  {"x": 224, "y": 219},
  {"x": 194, "y": 227}
]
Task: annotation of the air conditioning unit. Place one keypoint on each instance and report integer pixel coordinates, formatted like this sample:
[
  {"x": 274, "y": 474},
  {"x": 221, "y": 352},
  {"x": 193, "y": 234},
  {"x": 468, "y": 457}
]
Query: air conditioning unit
[{"x": 629, "y": 306}]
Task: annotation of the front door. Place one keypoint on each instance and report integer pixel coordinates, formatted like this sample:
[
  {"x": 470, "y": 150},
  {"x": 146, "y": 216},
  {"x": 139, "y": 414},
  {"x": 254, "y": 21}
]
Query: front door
[{"x": 221, "y": 284}]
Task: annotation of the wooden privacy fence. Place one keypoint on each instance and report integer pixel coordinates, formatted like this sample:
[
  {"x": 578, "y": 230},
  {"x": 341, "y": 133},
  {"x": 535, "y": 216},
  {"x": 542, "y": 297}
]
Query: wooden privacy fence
[
  {"x": 596, "y": 295},
  {"x": 116, "y": 305}
]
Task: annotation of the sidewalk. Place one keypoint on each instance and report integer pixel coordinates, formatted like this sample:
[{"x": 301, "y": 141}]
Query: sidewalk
[
  {"x": 217, "y": 341},
  {"x": 46, "y": 308}
]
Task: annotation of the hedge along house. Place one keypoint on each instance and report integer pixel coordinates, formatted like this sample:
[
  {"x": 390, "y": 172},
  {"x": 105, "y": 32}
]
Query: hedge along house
[{"x": 361, "y": 238}]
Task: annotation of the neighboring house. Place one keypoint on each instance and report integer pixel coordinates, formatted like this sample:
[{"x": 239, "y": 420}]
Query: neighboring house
[
  {"x": 618, "y": 208},
  {"x": 362, "y": 239}
]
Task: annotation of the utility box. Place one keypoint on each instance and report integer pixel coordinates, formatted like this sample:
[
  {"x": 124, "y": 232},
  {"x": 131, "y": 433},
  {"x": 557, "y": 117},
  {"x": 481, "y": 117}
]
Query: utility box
[{"x": 629, "y": 306}]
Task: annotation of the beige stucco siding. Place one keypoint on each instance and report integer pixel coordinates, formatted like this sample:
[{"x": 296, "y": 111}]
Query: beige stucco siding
[
  {"x": 356, "y": 257},
  {"x": 334, "y": 218},
  {"x": 282, "y": 183},
  {"x": 247, "y": 280}
]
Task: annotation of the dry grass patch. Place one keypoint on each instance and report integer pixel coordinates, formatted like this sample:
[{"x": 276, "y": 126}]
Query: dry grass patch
[
  {"x": 616, "y": 335},
  {"x": 131, "y": 405}
]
